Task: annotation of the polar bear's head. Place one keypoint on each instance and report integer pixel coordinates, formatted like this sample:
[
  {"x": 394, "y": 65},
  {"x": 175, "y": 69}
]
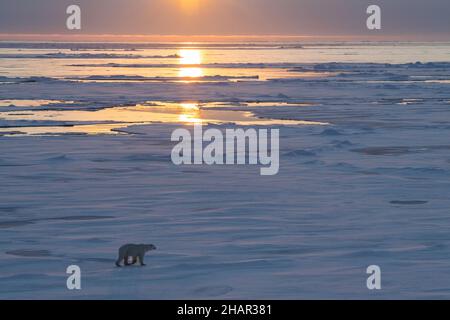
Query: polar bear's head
[{"x": 149, "y": 247}]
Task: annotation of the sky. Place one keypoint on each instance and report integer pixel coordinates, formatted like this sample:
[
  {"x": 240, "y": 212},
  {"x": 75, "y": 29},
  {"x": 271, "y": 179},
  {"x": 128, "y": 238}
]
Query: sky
[{"x": 421, "y": 19}]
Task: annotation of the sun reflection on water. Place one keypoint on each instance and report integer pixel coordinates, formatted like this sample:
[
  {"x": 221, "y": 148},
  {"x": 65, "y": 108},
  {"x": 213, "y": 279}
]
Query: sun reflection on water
[
  {"x": 189, "y": 118},
  {"x": 190, "y": 56},
  {"x": 190, "y": 59},
  {"x": 190, "y": 113},
  {"x": 109, "y": 120},
  {"x": 191, "y": 72},
  {"x": 189, "y": 106}
]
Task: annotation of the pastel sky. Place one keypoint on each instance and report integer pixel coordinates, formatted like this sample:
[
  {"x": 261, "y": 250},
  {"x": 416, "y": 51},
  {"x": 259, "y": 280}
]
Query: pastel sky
[{"x": 427, "y": 19}]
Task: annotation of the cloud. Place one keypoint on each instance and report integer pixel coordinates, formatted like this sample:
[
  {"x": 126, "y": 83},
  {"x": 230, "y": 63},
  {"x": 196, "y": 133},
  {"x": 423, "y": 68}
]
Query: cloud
[{"x": 299, "y": 17}]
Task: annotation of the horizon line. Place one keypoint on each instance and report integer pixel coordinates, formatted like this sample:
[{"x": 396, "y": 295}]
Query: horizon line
[{"x": 212, "y": 38}]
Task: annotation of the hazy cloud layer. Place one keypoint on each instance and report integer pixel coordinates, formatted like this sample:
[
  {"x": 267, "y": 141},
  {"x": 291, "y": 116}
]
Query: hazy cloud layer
[{"x": 301, "y": 17}]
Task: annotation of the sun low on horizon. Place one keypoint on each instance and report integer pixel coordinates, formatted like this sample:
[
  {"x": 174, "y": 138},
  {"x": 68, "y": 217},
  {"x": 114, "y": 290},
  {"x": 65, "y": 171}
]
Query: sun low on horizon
[{"x": 189, "y": 6}]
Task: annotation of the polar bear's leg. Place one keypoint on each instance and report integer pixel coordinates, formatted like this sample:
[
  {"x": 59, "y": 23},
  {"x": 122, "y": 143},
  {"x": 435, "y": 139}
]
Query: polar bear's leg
[
  {"x": 141, "y": 259},
  {"x": 121, "y": 257},
  {"x": 126, "y": 261},
  {"x": 134, "y": 261}
]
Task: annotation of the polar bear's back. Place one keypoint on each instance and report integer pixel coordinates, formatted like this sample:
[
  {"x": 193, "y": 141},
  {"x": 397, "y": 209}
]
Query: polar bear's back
[{"x": 131, "y": 249}]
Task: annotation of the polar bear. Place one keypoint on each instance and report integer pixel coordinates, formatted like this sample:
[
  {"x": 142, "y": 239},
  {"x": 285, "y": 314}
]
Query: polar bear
[{"x": 135, "y": 251}]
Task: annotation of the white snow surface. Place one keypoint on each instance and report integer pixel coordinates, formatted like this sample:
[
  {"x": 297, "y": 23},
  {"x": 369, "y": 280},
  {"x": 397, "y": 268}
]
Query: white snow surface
[{"x": 369, "y": 189}]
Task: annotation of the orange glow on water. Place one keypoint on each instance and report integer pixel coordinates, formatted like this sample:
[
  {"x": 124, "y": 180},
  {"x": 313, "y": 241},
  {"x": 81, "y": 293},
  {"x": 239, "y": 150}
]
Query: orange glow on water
[
  {"x": 191, "y": 72},
  {"x": 190, "y": 56},
  {"x": 188, "y": 59}
]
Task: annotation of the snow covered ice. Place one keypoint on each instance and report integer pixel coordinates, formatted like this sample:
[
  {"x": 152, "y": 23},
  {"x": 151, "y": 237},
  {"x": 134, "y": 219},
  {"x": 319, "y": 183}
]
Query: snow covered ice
[{"x": 364, "y": 174}]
